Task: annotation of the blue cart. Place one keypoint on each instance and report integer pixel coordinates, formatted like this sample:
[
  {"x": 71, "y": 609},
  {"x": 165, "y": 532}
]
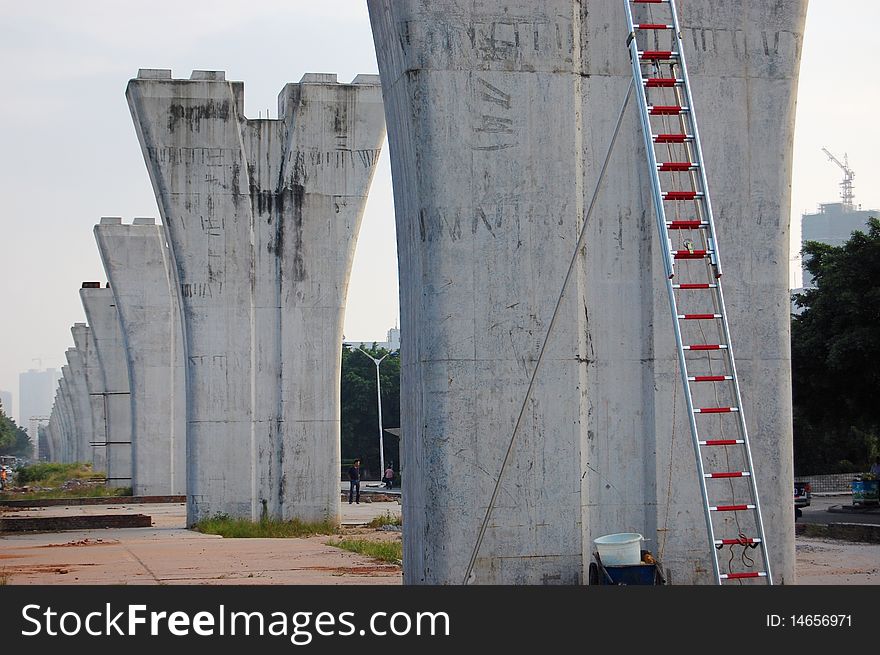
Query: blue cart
[{"x": 630, "y": 574}]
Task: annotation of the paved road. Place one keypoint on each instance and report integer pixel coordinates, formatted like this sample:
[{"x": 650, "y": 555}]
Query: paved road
[{"x": 818, "y": 511}]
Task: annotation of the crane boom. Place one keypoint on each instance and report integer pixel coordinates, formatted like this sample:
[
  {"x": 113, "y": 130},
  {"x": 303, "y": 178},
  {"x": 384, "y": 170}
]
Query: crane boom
[{"x": 846, "y": 187}]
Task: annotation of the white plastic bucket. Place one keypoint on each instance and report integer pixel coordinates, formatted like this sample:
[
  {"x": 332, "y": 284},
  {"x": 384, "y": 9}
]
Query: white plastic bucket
[{"x": 620, "y": 549}]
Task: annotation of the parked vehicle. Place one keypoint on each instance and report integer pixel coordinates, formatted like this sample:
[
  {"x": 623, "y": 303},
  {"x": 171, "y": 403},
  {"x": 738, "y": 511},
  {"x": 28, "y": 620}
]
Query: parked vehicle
[{"x": 802, "y": 496}]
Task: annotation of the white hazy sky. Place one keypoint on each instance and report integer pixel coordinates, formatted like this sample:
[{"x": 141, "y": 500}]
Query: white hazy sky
[{"x": 69, "y": 154}]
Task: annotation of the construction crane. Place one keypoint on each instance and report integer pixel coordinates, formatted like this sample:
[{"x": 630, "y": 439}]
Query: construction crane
[{"x": 846, "y": 187}]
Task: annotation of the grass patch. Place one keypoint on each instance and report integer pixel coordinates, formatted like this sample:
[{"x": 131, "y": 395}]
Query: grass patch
[
  {"x": 386, "y": 551},
  {"x": 231, "y": 528},
  {"x": 54, "y": 480},
  {"x": 385, "y": 519}
]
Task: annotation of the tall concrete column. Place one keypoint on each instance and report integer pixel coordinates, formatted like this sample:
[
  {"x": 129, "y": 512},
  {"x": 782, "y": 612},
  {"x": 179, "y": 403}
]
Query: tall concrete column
[
  {"x": 261, "y": 217},
  {"x": 501, "y": 113},
  {"x": 744, "y": 59},
  {"x": 483, "y": 110},
  {"x": 82, "y": 450},
  {"x": 52, "y": 441},
  {"x": 100, "y": 308},
  {"x": 139, "y": 267},
  {"x": 94, "y": 377},
  {"x": 51, "y": 429},
  {"x": 48, "y": 452},
  {"x": 68, "y": 434}
]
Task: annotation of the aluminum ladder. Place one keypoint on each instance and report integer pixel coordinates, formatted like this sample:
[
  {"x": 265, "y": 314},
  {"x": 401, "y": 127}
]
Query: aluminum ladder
[{"x": 687, "y": 230}]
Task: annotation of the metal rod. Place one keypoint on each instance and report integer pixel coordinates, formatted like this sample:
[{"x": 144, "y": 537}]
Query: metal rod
[{"x": 379, "y": 405}]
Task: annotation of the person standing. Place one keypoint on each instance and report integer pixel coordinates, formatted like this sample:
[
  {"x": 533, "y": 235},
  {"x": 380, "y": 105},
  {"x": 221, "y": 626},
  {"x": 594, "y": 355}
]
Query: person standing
[
  {"x": 354, "y": 479},
  {"x": 389, "y": 476}
]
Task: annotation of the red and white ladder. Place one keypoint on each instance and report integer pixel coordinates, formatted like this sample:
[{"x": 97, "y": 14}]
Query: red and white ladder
[{"x": 693, "y": 272}]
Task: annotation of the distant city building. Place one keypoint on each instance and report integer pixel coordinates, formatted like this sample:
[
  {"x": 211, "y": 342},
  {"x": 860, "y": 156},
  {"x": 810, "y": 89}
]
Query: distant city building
[
  {"x": 392, "y": 342},
  {"x": 36, "y": 392},
  {"x": 833, "y": 224},
  {"x": 6, "y": 402}
]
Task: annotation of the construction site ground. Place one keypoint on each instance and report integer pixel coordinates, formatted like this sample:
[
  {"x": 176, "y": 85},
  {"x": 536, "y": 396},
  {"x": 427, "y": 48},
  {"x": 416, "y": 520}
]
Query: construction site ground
[{"x": 168, "y": 553}]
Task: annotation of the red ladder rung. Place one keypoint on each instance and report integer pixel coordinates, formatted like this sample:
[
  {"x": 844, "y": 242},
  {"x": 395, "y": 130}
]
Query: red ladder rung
[
  {"x": 690, "y": 254},
  {"x": 686, "y": 225},
  {"x": 666, "y": 110},
  {"x": 671, "y": 138},
  {"x": 715, "y": 410},
  {"x": 661, "y": 82},
  {"x": 698, "y": 317},
  {"x": 710, "y": 378},
  {"x": 729, "y": 474},
  {"x": 693, "y": 287},
  {"x": 654, "y": 26},
  {"x": 737, "y": 576},
  {"x": 722, "y": 442},
  {"x": 705, "y": 346},
  {"x": 658, "y": 54},
  {"x": 731, "y": 508},
  {"x": 648, "y": 2},
  {"x": 675, "y": 166},
  {"x": 682, "y": 195}
]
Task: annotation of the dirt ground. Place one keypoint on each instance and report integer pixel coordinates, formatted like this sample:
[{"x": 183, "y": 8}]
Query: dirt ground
[
  {"x": 827, "y": 562},
  {"x": 167, "y": 553}
]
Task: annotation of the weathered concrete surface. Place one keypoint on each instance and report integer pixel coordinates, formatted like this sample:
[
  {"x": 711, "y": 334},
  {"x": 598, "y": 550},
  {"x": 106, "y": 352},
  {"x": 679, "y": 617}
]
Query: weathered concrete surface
[
  {"x": 54, "y": 435},
  {"x": 61, "y": 434},
  {"x": 68, "y": 445},
  {"x": 501, "y": 113},
  {"x": 744, "y": 59},
  {"x": 138, "y": 265},
  {"x": 100, "y": 308},
  {"x": 261, "y": 217},
  {"x": 79, "y": 392},
  {"x": 49, "y": 453},
  {"x": 487, "y": 213},
  {"x": 67, "y": 420},
  {"x": 94, "y": 376}
]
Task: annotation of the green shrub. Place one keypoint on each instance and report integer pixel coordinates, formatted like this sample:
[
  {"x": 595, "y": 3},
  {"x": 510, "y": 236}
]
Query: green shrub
[
  {"x": 386, "y": 551},
  {"x": 225, "y": 526},
  {"x": 53, "y": 474},
  {"x": 385, "y": 519}
]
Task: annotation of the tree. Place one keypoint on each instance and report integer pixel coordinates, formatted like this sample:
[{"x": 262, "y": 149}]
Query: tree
[
  {"x": 360, "y": 418},
  {"x": 835, "y": 347},
  {"x": 7, "y": 430},
  {"x": 13, "y": 439}
]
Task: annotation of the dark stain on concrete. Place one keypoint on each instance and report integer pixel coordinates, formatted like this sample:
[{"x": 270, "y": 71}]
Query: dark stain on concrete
[
  {"x": 299, "y": 267},
  {"x": 194, "y": 114}
]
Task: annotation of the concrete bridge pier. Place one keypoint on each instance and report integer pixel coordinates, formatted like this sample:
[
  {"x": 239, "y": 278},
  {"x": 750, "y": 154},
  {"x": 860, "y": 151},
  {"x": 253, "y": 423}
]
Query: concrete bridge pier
[
  {"x": 138, "y": 265},
  {"x": 261, "y": 217}
]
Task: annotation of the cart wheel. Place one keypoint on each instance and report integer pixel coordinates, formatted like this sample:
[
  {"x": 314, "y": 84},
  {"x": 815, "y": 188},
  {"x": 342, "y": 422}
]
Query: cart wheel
[{"x": 594, "y": 573}]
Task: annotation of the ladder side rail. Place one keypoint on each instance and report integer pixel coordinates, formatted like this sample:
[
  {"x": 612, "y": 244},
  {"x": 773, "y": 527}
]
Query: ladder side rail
[
  {"x": 759, "y": 519},
  {"x": 697, "y": 145},
  {"x": 645, "y": 120}
]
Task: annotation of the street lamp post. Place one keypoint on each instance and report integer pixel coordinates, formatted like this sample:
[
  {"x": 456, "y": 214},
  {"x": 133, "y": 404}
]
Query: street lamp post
[{"x": 379, "y": 405}]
